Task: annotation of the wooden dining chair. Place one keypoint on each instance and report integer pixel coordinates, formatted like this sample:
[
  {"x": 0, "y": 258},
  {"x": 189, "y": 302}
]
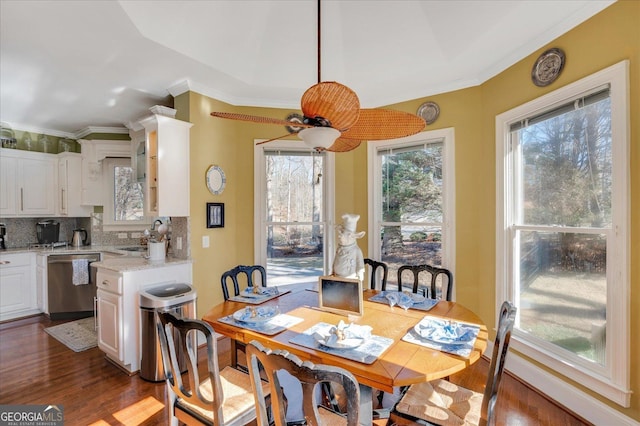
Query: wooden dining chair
[
  {"x": 373, "y": 273},
  {"x": 441, "y": 402},
  {"x": 245, "y": 275},
  {"x": 270, "y": 362},
  {"x": 235, "y": 275},
  {"x": 221, "y": 397},
  {"x": 433, "y": 291}
]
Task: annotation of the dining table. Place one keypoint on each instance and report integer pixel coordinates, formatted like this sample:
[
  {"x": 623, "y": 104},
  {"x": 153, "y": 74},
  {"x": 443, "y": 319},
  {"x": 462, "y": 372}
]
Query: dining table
[{"x": 397, "y": 359}]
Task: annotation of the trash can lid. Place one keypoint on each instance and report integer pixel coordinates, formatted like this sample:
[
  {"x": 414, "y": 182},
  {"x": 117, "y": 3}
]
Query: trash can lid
[{"x": 166, "y": 295}]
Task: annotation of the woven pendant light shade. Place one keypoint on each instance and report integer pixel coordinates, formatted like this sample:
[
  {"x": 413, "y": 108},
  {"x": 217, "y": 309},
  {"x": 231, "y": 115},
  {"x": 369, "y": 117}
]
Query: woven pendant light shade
[
  {"x": 381, "y": 124},
  {"x": 332, "y": 101}
]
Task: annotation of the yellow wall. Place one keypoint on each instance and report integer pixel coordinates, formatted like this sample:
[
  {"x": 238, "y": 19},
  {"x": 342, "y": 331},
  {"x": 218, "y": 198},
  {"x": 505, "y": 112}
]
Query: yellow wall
[{"x": 607, "y": 38}]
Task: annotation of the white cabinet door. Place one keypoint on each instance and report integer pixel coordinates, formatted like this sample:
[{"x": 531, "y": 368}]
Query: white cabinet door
[
  {"x": 8, "y": 205},
  {"x": 37, "y": 186},
  {"x": 109, "y": 324},
  {"x": 70, "y": 186},
  {"x": 17, "y": 286}
]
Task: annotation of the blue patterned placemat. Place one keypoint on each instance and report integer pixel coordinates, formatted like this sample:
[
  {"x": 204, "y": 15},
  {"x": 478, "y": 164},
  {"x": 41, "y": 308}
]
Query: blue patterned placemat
[
  {"x": 460, "y": 349},
  {"x": 273, "y": 326},
  {"x": 425, "y": 305},
  {"x": 256, "y": 300},
  {"x": 366, "y": 353}
]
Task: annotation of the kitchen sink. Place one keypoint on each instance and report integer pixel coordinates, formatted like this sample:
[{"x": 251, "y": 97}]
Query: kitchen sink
[{"x": 134, "y": 248}]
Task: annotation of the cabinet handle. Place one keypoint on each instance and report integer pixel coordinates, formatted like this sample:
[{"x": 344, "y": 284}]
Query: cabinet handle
[
  {"x": 5, "y": 262},
  {"x": 105, "y": 282},
  {"x": 63, "y": 208},
  {"x": 21, "y": 199}
]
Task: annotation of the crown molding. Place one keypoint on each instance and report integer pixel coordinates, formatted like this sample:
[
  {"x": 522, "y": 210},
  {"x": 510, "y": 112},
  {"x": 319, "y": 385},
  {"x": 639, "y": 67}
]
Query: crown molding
[
  {"x": 91, "y": 129},
  {"x": 179, "y": 88}
]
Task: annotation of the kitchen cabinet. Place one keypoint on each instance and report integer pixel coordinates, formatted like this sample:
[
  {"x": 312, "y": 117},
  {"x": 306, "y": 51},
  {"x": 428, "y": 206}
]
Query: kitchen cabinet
[
  {"x": 93, "y": 152},
  {"x": 166, "y": 166},
  {"x": 118, "y": 306},
  {"x": 29, "y": 183},
  {"x": 41, "y": 282},
  {"x": 18, "y": 295},
  {"x": 70, "y": 186}
]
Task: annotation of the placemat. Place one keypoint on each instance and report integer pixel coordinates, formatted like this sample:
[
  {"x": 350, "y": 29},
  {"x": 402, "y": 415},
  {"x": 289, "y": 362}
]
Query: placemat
[
  {"x": 425, "y": 305},
  {"x": 257, "y": 300},
  {"x": 463, "y": 350},
  {"x": 366, "y": 353},
  {"x": 273, "y": 326}
]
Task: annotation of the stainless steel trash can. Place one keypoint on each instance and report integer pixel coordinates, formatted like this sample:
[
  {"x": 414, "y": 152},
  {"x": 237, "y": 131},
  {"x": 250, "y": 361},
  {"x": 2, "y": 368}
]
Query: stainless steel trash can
[{"x": 177, "y": 298}]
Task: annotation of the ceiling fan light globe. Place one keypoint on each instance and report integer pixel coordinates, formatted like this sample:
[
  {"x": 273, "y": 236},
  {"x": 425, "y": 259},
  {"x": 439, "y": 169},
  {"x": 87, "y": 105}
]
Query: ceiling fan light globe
[{"x": 319, "y": 138}]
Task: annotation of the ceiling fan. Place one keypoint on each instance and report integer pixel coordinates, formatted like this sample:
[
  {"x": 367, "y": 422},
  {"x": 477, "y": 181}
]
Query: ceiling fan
[{"x": 333, "y": 120}]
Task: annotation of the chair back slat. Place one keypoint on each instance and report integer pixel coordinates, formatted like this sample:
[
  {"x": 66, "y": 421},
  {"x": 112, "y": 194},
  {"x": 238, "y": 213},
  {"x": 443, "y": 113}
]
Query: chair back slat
[
  {"x": 270, "y": 362},
  {"x": 373, "y": 273},
  {"x": 500, "y": 348},
  {"x": 435, "y": 274}
]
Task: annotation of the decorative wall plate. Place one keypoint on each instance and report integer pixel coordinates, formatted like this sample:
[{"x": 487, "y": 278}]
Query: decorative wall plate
[
  {"x": 429, "y": 111},
  {"x": 216, "y": 180},
  {"x": 294, "y": 118},
  {"x": 548, "y": 67}
]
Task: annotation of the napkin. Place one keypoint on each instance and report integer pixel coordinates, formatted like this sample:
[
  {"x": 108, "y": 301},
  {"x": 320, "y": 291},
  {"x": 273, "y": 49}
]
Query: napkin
[
  {"x": 260, "y": 291},
  {"x": 445, "y": 331},
  {"x": 330, "y": 335},
  {"x": 260, "y": 312},
  {"x": 399, "y": 298}
]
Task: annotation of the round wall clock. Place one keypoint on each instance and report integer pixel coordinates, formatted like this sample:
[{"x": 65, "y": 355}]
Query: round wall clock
[
  {"x": 215, "y": 179},
  {"x": 548, "y": 67}
]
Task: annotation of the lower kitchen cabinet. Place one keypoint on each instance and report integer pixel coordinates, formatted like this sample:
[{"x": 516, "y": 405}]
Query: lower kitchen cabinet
[
  {"x": 118, "y": 308},
  {"x": 18, "y": 295}
]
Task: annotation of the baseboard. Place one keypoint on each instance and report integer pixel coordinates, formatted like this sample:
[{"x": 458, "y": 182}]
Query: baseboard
[{"x": 584, "y": 405}]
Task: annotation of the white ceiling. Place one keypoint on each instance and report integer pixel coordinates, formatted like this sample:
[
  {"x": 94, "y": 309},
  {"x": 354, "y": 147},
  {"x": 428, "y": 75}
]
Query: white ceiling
[{"x": 67, "y": 65}]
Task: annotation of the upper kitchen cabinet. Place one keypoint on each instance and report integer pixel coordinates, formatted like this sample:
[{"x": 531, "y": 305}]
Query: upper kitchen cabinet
[
  {"x": 70, "y": 186},
  {"x": 165, "y": 158},
  {"x": 28, "y": 183},
  {"x": 93, "y": 153}
]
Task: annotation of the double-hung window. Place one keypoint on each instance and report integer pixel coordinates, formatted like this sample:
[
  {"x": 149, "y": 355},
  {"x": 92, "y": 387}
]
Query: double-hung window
[
  {"x": 412, "y": 193},
  {"x": 562, "y": 229}
]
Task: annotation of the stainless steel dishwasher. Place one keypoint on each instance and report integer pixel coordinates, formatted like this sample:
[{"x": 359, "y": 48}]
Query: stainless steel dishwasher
[{"x": 71, "y": 285}]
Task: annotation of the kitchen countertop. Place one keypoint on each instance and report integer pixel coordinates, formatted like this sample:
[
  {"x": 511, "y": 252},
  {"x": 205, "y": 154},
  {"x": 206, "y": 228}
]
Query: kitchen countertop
[{"x": 118, "y": 260}]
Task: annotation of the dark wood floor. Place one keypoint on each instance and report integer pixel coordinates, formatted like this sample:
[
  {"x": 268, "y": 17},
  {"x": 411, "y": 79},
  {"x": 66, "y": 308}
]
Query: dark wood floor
[{"x": 37, "y": 369}]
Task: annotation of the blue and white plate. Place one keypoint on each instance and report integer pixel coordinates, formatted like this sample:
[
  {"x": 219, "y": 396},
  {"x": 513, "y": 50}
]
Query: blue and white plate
[
  {"x": 445, "y": 332},
  {"x": 264, "y": 292},
  {"x": 257, "y": 314}
]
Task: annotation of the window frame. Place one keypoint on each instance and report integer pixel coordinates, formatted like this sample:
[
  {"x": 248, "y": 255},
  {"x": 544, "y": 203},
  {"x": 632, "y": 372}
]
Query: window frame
[
  {"x": 260, "y": 189},
  {"x": 613, "y": 379},
  {"x": 108, "y": 166},
  {"x": 445, "y": 136}
]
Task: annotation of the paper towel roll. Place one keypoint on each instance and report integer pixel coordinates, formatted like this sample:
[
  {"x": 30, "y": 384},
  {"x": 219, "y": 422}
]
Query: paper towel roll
[{"x": 156, "y": 250}]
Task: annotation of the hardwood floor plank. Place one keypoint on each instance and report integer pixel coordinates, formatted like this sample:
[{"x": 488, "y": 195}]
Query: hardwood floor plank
[{"x": 37, "y": 369}]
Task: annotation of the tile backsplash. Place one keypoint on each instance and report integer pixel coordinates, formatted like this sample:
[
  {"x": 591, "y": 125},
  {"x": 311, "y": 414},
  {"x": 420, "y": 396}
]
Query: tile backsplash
[{"x": 21, "y": 232}]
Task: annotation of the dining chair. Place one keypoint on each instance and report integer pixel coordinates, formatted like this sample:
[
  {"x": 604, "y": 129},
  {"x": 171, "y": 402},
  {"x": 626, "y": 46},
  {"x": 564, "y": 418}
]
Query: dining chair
[
  {"x": 233, "y": 277},
  {"x": 270, "y": 362},
  {"x": 221, "y": 397},
  {"x": 434, "y": 272},
  {"x": 441, "y": 402},
  {"x": 373, "y": 273}
]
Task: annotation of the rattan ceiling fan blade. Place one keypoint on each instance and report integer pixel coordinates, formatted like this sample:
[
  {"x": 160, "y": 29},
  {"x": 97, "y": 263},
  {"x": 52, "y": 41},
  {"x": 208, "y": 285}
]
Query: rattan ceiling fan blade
[
  {"x": 257, "y": 119},
  {"x": 333, "y": 102},
  {"x": 344, "y": 145},
  {"x": 278, "y": 138},
  {"x": 380, "y": 124}
]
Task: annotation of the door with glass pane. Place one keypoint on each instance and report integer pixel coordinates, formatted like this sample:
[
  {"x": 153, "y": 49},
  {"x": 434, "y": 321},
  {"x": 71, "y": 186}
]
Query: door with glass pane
[{"x": 294, "y": 216}]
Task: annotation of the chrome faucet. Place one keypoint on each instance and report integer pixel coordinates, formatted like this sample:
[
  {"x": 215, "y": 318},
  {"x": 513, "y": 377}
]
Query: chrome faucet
[{"x": 153, "y": 226}]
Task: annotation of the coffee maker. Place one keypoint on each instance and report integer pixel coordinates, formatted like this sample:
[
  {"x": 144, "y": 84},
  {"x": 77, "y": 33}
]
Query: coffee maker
[
  {"x": 47, "y": 231},
  {"x": 3, "y": 234}
]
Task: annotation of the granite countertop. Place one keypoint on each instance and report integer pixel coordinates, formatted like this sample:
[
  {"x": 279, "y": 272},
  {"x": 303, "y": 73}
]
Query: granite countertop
[{"x": 116, "y": 259}]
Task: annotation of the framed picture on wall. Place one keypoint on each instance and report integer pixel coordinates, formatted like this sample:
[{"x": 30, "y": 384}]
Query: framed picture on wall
[{"x": 215, "y": 215}]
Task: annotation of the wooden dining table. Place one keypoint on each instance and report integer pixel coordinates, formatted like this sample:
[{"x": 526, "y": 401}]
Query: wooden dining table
[{"x": 403, "y": 363}]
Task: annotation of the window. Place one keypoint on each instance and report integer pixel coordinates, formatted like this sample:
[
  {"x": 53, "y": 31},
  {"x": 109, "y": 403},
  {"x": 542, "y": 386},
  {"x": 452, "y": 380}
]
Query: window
[
  {"x": 292, "y": 187},
  {"x": 123, "y": 195},
  {"x": 562, "y": 254},
  {"x": 411, "y": 185}
]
